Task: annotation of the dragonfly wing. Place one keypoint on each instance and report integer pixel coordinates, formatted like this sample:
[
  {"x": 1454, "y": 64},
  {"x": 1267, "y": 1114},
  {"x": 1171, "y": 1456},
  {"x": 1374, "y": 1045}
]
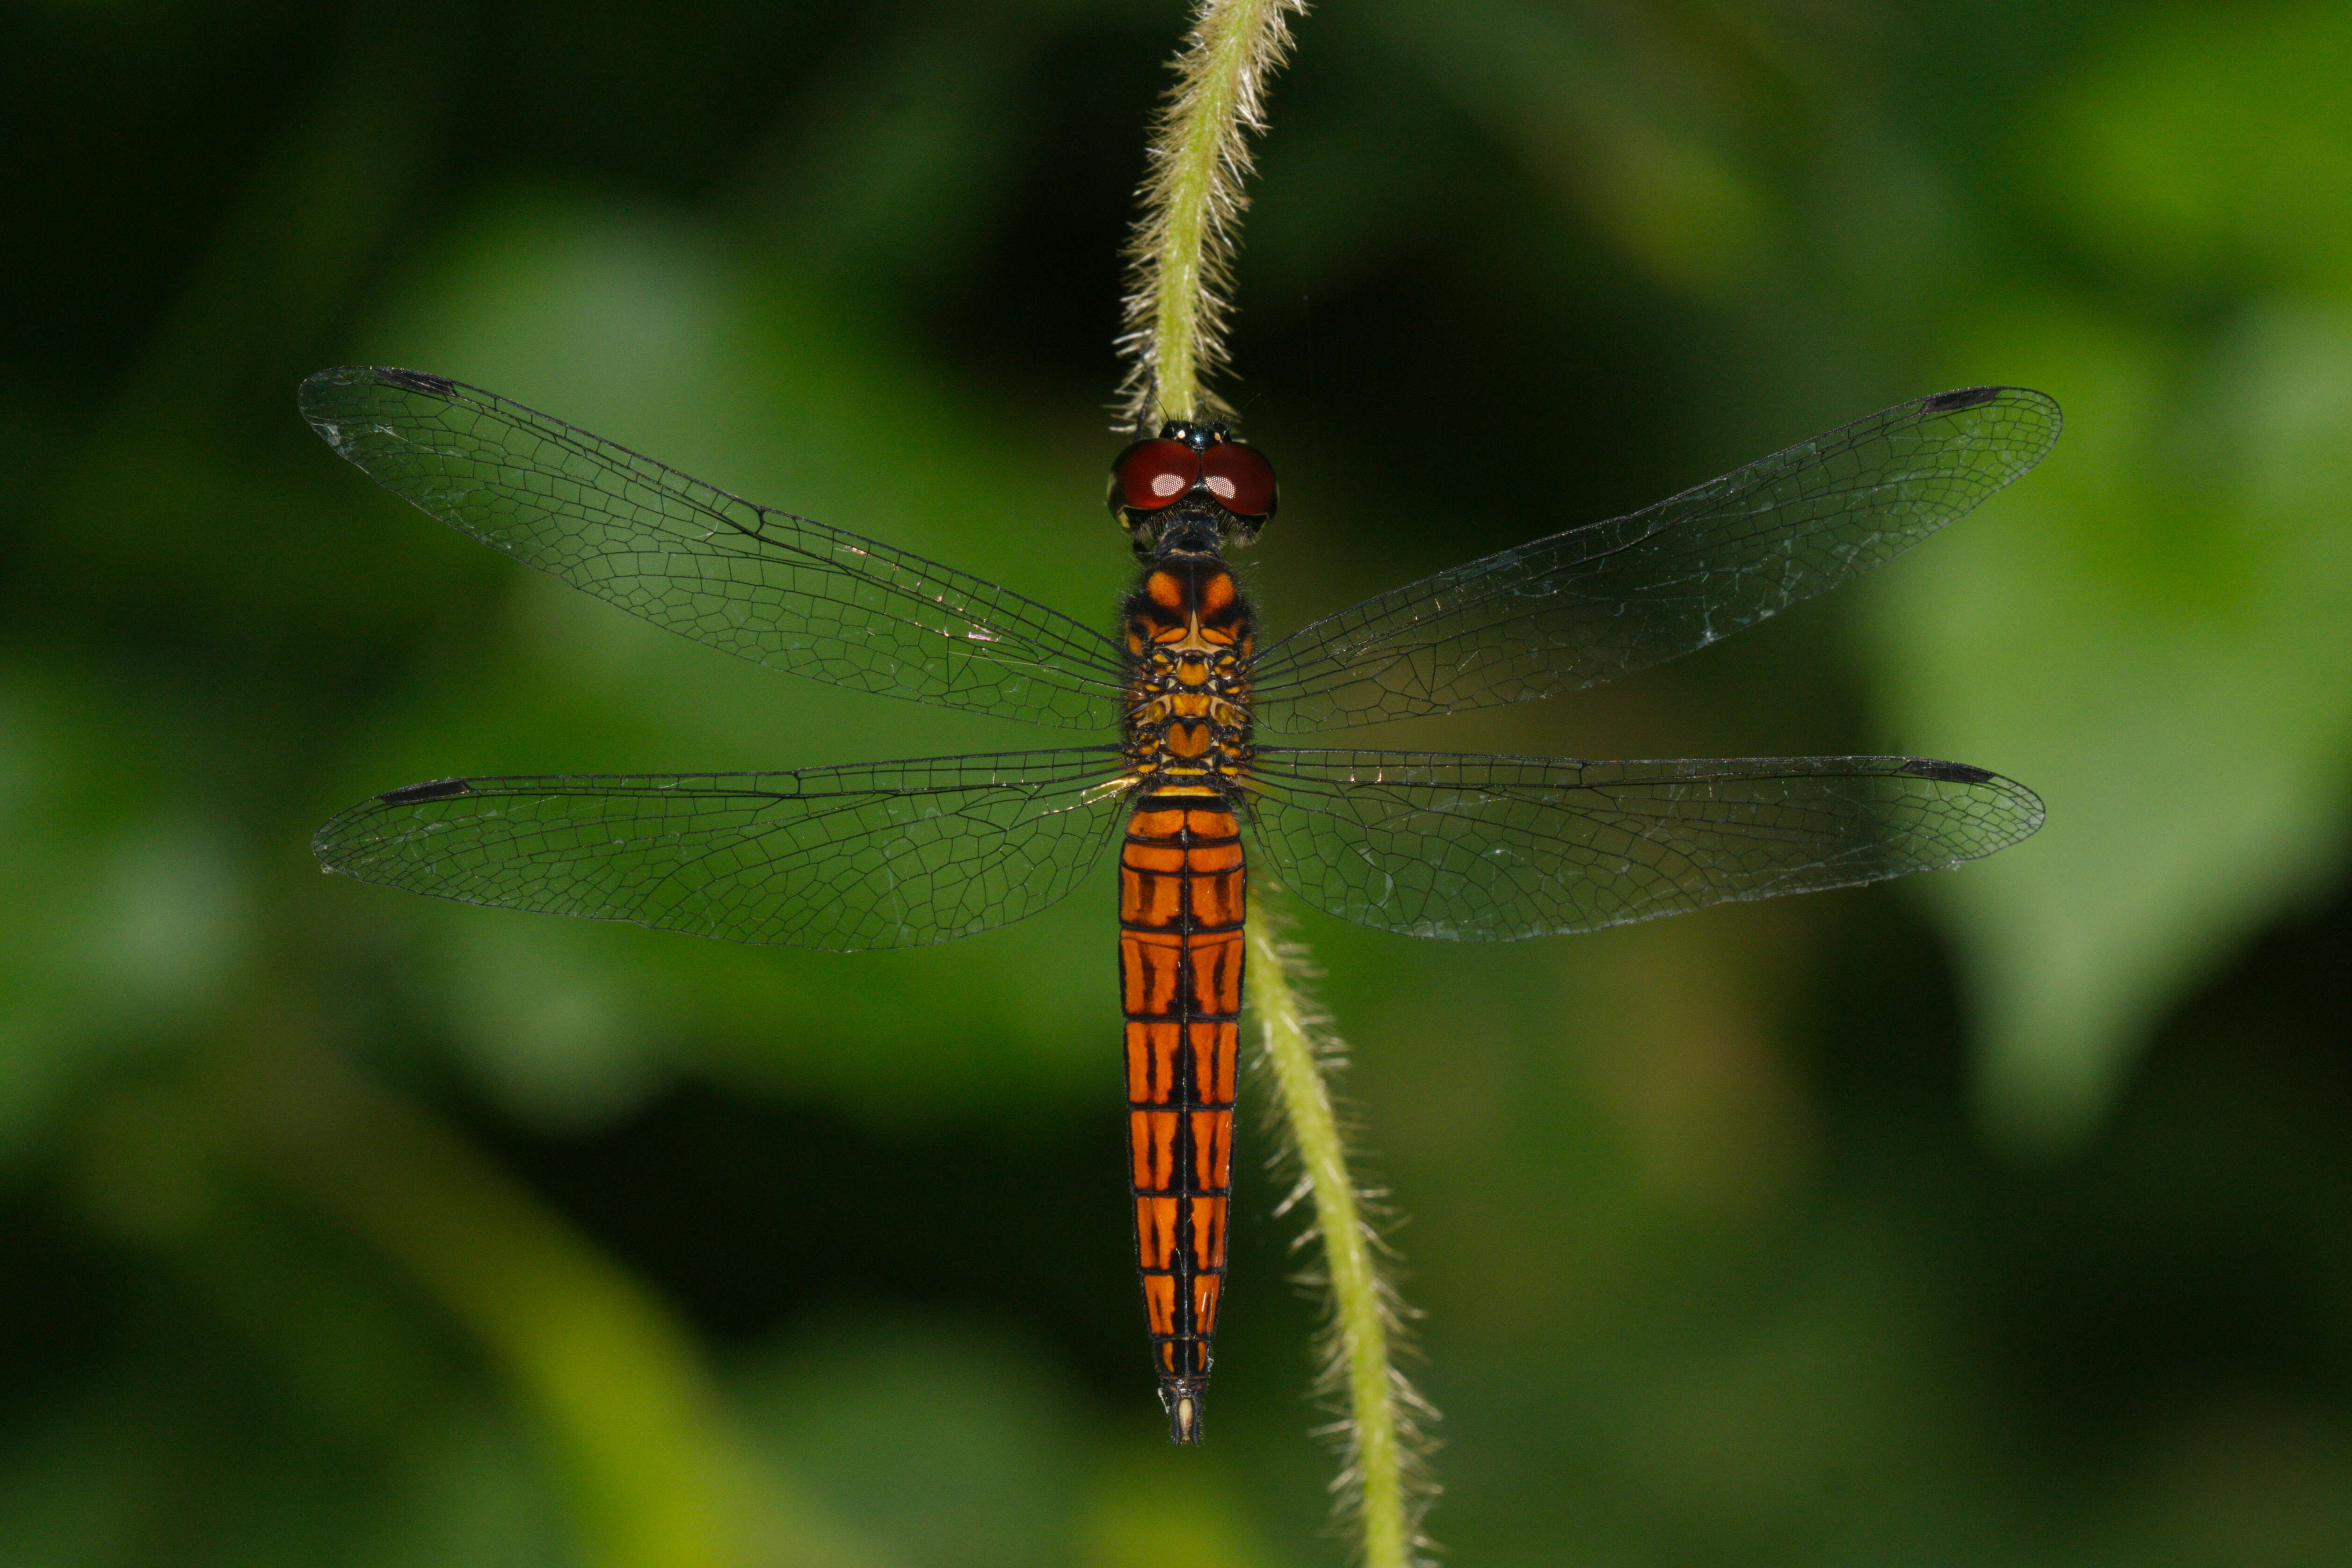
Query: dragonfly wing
[
  {"x": 878, "y": 855},
  {"x": 1597, "y": 602},
  {"x": 774, "y": 588},
  {"x": 1482, "y": 848}
]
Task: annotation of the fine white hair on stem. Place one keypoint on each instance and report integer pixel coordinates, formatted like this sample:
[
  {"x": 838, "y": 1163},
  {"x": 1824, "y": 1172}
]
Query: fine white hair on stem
[
  {"x": 1383, "y": 1486},
  {"x": 1180, "y": 258}
]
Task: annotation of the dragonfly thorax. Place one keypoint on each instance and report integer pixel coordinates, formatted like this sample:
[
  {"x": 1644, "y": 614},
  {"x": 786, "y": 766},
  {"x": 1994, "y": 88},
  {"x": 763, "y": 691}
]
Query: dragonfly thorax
[{"x": 1189, "y": 635}]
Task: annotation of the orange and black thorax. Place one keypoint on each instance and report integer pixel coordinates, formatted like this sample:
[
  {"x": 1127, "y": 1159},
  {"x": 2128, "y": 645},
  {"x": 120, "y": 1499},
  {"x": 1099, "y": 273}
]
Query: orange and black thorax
[
  {"x": 1188, "y": 635},
  {"x": 1181, "y": 900}
]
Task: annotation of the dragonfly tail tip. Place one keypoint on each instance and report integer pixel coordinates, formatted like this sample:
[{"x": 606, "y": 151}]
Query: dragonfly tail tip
[{"x": 1183, "y": 1402}]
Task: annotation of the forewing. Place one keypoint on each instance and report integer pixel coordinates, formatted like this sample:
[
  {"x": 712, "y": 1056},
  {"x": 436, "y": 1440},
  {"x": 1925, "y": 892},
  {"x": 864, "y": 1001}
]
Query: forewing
[
  {"x": 766, "y": 586},
  {"x": 1597, "y": 602},
  {"x": 1483, "y": 848},
  {"x": 879, "y": 855}
]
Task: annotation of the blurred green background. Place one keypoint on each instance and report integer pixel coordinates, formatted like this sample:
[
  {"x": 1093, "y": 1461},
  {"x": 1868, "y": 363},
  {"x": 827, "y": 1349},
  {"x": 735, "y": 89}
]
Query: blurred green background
[{"x": 2002, "y": 1218}]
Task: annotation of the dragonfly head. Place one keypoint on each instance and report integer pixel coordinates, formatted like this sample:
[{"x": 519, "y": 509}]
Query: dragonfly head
[{"x": 1192, "y": 488}]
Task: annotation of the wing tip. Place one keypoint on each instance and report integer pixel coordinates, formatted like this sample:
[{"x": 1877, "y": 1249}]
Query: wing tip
[
  {"x": 328, "y": 844},
  {"x": 1960, "y": 399},
  {"x": 2026, "y": 810},
  {"x": 322, "y": 386}
]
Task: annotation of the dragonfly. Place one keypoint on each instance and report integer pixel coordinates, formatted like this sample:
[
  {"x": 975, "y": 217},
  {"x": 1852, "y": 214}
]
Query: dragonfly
[{"x": 1180, "y": 784}]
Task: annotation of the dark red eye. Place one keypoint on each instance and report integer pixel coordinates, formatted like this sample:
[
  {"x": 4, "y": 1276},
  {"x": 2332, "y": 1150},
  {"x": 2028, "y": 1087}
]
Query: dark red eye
[
  {"x": 1240, "y": 478},
  {"x": 1153, "y": 474}
]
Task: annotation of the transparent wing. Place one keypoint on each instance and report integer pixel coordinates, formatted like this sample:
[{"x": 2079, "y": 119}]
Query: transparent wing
[
  {"x": 1496, "y": 849},
  {"x": 1594, "y": 603},
  {"x": 878, "y": 855},
  {"x": 774, "y": 588}
]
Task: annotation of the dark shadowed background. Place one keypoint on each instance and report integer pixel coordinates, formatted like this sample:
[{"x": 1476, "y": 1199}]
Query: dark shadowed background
[{"x": 2002, "y": 1217}]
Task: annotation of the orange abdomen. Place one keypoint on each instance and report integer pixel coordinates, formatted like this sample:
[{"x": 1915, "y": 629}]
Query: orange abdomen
[{"x": 1182, "y": 891}]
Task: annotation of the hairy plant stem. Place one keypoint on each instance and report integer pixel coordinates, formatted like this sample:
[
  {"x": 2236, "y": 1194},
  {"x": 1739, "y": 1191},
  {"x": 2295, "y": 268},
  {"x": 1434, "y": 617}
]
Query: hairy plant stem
[
  {"x": 1381, "y": 1485},
  {"x": 1181, "y": 255}
]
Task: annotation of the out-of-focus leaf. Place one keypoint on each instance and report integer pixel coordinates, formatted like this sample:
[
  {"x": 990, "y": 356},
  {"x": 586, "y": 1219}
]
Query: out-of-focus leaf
[
  {"x": 1615, "y": 112},
  {"x": 1144, "y": 1515},
  {"x": 613, "y": 1381},
  {"x": 905, "y": 170},
  {"x": 465, "y": 1492},
  {"x": 120, "y": 912},
  {"x": 2213, "y": 149},
  {"x": 949, "y": 1447},
  {"x": 67, "y": 1486},
  {"x": 561, "y": 1038},
  {"x": 158, "y": 1461},
  {"x": 2151, "y": 631}
]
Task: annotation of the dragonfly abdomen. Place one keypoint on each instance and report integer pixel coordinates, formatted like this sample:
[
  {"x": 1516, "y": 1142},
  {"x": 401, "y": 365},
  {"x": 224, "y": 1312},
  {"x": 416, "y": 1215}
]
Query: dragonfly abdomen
[{"x": 1181, "y": 895}]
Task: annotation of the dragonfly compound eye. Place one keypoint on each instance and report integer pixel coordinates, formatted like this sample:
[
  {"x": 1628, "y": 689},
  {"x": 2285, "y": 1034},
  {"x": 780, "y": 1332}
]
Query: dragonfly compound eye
[
  {"x": 1240, "y": 478},
  {"x": 1153, "y": 474}
]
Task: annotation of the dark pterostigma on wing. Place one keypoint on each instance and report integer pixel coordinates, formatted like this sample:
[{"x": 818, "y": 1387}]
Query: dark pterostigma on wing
[
  {"x": 776, "y": 589},
  {"x": 1490, "y": 849},
  {"x": 846, "y": 858},
  {"x": 1598, "y": 602}
]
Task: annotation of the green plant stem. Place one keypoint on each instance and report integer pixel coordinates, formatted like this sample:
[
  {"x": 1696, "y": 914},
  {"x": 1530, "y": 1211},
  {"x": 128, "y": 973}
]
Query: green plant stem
[
  {"x": 1183, "y": 304},
  {"x": 1192, "y": 202},
  {"x": 1378, "y": 1432}
]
